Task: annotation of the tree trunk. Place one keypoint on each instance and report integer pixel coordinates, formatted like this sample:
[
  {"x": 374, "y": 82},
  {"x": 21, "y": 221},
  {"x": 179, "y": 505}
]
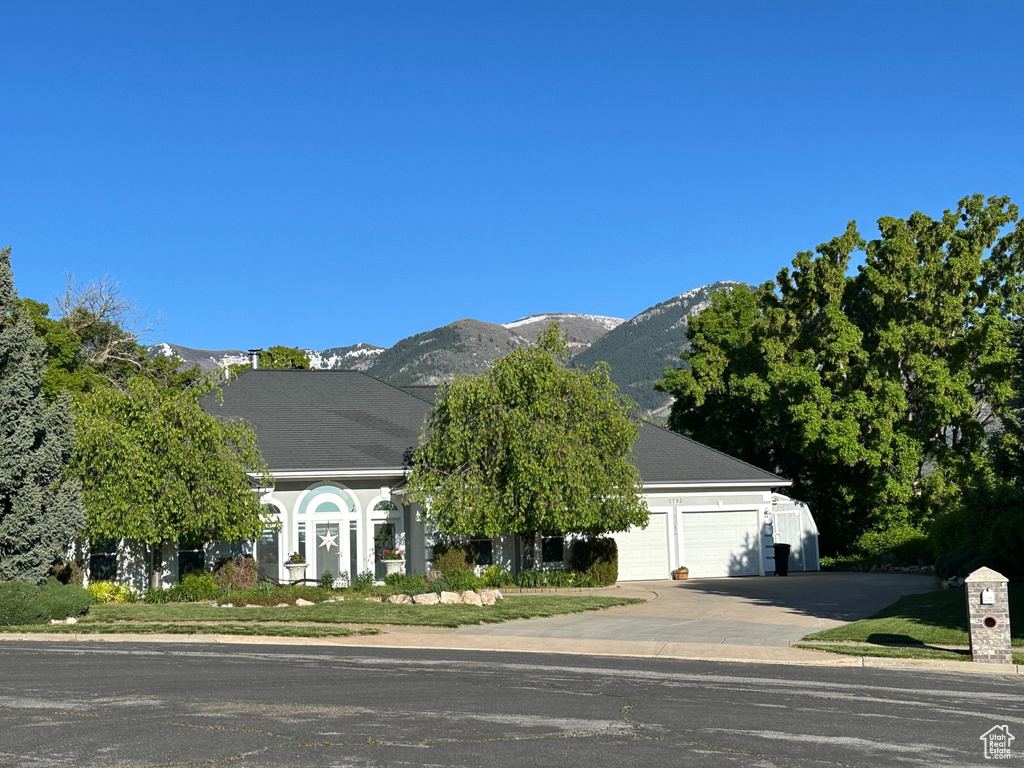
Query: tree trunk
[
  {"x": 156, "y": 570},
  {"x": 529, "y": 550}
]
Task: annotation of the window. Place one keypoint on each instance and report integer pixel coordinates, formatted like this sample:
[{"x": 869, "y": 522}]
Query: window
[
  {"x": 191, "y": 558},
  {"x": 103, "y": 560},
  {"x": 483, "y": 551},
  {"x": 552, "y": 546},
  {"x": 268, "y": 554}
]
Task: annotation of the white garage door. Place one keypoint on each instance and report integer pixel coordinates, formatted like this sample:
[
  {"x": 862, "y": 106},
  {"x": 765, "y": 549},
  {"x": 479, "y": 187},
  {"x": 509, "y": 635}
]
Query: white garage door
[
  {"x": 721, "y": 543},
  {"x": 643, "y": 552}
]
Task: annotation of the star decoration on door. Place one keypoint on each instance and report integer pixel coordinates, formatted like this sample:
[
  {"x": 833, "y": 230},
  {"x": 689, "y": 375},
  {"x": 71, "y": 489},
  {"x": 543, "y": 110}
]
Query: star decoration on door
[{"x": 329, "y": 540}]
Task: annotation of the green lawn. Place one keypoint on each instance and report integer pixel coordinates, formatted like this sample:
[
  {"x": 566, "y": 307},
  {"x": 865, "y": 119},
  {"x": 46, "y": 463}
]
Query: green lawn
[
  {"x": 185, "y": 617},
  {"x": 934, "y": 618},
  {"x": 899, "y": 653}
]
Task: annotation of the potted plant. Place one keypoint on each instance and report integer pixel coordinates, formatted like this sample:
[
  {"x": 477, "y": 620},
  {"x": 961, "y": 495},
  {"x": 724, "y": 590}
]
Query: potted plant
[
  {"x": 296, "y": 565},
  {"x": 681, "y": 574},
  {"x": 394, "y": 561}
]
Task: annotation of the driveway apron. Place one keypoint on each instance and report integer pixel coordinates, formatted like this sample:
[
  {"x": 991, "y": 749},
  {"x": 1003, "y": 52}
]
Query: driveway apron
[{"x": 751, "y": 611}]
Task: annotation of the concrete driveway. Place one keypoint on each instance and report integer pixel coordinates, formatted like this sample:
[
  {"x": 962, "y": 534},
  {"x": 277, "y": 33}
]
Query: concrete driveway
[{"x": 751, "y": 611}]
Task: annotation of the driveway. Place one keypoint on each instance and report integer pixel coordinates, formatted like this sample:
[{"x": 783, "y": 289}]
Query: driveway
[{"x": 751, "y": 611}]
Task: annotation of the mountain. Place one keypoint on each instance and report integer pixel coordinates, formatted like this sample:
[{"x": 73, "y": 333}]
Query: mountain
[
  {"x": 206, "y": 359},
  {"x": 357, "y": 357},
  {"x": 582, "y": 330},
  {"x": 640, "y": 349},
  {"x": 465, "y": 346}
]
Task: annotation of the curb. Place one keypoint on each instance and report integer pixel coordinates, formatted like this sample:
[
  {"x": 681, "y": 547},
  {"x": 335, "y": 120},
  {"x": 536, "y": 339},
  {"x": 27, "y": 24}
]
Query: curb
[{"x": 502, "y": 644}]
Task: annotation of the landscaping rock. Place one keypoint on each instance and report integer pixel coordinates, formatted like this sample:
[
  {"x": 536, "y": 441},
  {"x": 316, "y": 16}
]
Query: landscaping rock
[
  {"x": 400, "y": 600},
  {"x": 336, "y": 599},
  {"x": 487, "y": 597},
  {"x": 302, "y": 601},
  {"x": 449, "y": 598},
  {"x": 373, "y": 599},
  {"x": 427, "y": 598},
  {"x": 71, "y": 620},
  {"x": 227, "y": 605},
  {"x": 470, "y": 598},
  {"x": 281, "y": 605}
]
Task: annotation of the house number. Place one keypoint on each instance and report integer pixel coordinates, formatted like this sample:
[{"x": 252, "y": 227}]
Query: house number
[{"x": 988, "y": 597}]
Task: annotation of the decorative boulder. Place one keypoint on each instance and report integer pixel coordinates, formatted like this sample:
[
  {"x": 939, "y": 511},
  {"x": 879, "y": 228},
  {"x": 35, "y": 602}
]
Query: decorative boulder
[
  {"x": 470, "y": 598},
  {"x": 400, "y": 599},
  {"x": 487, "y": 597},
  {"x": 281, "y": 605},
  {"x": 302, "y": 601},
  {"x": 450, "y": 597},
  {"x": 427, "y": 598}
]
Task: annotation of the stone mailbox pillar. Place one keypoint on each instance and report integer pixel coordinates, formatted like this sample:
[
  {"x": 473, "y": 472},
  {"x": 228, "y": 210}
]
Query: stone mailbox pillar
[{"x": 988, "y": 611}]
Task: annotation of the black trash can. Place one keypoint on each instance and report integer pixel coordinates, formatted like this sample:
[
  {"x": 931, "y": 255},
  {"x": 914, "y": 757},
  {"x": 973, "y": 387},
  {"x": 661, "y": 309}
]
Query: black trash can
[{"x": 781, "y": 559}]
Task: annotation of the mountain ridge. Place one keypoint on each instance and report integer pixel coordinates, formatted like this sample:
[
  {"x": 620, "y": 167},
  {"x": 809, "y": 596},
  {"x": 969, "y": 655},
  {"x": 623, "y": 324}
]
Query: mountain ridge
[{"x": 638, "y": 349}]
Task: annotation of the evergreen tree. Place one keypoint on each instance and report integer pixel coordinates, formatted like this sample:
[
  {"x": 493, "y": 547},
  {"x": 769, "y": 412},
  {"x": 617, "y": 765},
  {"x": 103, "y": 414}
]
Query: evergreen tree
[{"x": 40, "y": 511}]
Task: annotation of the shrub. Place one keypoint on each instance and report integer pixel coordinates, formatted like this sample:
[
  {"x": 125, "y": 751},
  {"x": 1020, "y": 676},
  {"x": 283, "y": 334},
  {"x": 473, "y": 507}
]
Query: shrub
[
  {"x": 530, "y": 579},
  {"x": 899, "y": 545},
  {"x": 193, "y": 588},
  {"x": 453, "y": 556},
  {"x": 462, "y": 581},
  {"x": 22, "y": 603},
  {"x": 69, "y": 572},
  {"x": 598, "y": 558},
  {"x": 235, "y": 573},
  {"x": 363, "y": 582},
  {"x": 495, "y": 576},
  {"x": 268, "y": 594},
  {"x": 327, "y": 580},
  {"x": 404, "y": 584},
  {"x": 108, "y": 592}
]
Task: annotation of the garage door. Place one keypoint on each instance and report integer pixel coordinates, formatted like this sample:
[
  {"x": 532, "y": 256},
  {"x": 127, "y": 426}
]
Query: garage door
[
  {"x": 643, "y": 552},
  {"x": 721, "y": 543}
]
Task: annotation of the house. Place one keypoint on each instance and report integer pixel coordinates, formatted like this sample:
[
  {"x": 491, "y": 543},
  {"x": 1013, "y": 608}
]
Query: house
[{"x": 339, "y": 445}]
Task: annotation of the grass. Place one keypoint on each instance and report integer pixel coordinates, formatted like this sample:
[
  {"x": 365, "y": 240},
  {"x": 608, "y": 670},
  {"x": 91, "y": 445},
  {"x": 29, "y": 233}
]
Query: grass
[
  {"x": 202, "y": 617},
  {"x": 898, "y": 653},
  {"x": 915, "y": 627},
  {"x": 261, "y": 630},
  {"x": 934, "y": 618}
]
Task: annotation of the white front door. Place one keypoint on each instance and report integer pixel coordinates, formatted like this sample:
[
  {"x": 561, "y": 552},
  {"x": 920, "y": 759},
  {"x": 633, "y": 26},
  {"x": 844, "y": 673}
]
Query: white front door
[{"x": 721, "y": 543}]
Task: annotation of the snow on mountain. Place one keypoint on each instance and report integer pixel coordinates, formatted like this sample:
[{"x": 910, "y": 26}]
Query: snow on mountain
[
  {"x": 356, "y": 357},
  {"x": 557, "y": 317}
]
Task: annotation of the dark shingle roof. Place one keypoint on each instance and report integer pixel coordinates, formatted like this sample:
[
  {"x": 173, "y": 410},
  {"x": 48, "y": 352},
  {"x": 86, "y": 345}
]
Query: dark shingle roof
[
  {"x": 346, "y": 420},
  {"x": 325, "y": 420}
]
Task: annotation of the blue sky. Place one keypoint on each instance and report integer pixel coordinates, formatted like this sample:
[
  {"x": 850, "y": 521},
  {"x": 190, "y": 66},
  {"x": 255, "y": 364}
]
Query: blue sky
[{"x": 322, "y": 173}]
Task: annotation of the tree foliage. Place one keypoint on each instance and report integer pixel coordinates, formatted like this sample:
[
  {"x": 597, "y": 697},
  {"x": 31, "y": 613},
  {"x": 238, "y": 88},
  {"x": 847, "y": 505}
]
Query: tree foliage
[
  {"x": 40, "y": 508},
  {"x": 527, "y": 446},
  {"x": 874, "y": 393},
  {"x": 154, "y": 466}
]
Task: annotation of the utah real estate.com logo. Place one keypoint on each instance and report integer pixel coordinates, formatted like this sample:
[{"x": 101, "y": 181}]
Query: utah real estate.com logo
[{"x": 997, "y": 742}]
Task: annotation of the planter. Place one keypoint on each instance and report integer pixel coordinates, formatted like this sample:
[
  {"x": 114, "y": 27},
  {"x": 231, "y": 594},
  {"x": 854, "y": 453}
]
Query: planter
[
  {"x": 296, "y": 571},
  {"x": 393, "y": 566},
  {"x": 681, "y": 574}
]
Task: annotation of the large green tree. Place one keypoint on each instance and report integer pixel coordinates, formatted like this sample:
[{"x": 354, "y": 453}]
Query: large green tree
[
  {"x": 40, "y": 508},
  {"x": 530, "y": 445},
  {"x": 156, "y": 468},
  {"x": 153, "y": 464},
  {"x": 873, "y": 392}
]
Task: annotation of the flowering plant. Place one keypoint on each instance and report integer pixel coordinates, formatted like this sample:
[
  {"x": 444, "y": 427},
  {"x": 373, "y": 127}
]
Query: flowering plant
[
  {"x": 392, "y": 554},
  {"x": 295, "y": 557}
]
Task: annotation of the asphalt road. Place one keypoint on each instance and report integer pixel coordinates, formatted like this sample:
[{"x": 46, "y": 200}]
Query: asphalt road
[{"x": 91, "y": 704}]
